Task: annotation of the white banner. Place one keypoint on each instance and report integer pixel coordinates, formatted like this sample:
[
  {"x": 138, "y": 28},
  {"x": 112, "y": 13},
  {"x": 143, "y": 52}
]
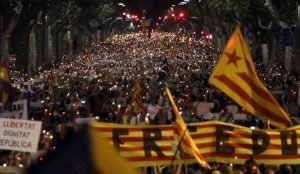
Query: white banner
[
  {"x": 240, "y": 116},
  {"x": 202, "y": 107},
  {"x": 152, "y": 111},
  {"x": 11, "y": 170},
  {"x": 18, "y": 110},
  {"x": 19, "y": 135},
  {"x": 232, "y": 108},
  {"x": 81, "y": 121}
]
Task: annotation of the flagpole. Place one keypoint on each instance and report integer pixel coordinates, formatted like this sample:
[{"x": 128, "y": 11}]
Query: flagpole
[
  {"x": 178, "y": 146},
  {"x": 181, "y": 140}
]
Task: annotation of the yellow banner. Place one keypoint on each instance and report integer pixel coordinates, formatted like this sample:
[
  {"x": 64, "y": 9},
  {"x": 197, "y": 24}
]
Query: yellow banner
[{"x": 217, "y": 142}]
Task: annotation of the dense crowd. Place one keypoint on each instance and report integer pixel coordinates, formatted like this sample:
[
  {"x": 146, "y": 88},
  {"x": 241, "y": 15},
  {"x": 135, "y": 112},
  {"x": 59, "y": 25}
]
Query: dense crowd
[{"x": 98, "y": 83}]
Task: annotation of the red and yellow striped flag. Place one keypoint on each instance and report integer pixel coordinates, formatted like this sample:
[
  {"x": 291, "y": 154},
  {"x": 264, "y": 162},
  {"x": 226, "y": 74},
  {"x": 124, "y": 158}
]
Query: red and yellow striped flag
[
  {"x": 186, "y": 43},
  {"x": 137, "y": 97},
  {"x": 106, "y": 159},
  {"x": 5, "y": 83},
  {"x": 182, "y": 134},
  {"x": 235, "y": 75}
]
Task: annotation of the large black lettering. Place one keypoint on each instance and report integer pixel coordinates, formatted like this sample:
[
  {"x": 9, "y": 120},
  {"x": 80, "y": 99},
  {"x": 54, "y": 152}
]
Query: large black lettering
[
  {"x": 221, "y": 138},
  {"x": 116, "y": 136},
  {"x": 288, "y": 148},
  {"x": 192, "y": 128},
  {"x": 257, "y": 137},
  {"x": 150, "y": 136}
]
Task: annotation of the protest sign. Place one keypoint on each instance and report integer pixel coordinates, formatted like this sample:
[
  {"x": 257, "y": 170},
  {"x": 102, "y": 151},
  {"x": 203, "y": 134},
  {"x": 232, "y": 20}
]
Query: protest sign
[
  {"x": 202, "y": 107},
  {"x": 152, "y": 111},
  {"x": 232, "y": 108},
  {"x": 18, "y": 110},
  {"x": 19, "y": 135}
]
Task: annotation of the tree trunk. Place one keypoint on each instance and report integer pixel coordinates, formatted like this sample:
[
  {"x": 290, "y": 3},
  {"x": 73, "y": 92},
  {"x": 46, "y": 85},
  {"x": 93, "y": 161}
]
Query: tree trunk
[
  {"x": 297, "y": 51},
  {"x": 33, "y": 49},
  {"x": 68, "y": 42},
  {"x": 298, "y": 9},
  {"x": 288, "y": 58},
  {"x": 49, "y": 44},
  {"x": 265, "y": 53},
  {"x": 98, "y": 35},
  {"x": 21, "y": 40},
  {"x": 59, "y": 45},
  {"x": 54, "y": 45},
  {"x": 5, "y": 45},
  {"x": 6, "y": 35},
  {"x": 273, "y": 47}
]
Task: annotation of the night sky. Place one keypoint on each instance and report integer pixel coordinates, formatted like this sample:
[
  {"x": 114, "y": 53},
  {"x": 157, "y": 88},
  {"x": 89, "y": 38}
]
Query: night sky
[{"x": 154, "y": 8}]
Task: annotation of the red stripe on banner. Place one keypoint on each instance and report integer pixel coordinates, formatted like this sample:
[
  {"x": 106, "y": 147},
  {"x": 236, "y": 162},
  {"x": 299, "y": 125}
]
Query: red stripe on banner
[
  {"x": 141, "y": 148},
  {"x": 246, "y": 156},
  {"x": 261, "y": 92},
  {"x": 249, "y": 136},
  {"x": 213, "y": 155},
  {"x": 250, "y": 146},
  {"x": 233, "y": 134},
  {"x": 132, "y": 129},
  {"x": 140, "y": 139},
  {"x": 243, "y": 94},
  {"x": 199, "y": 135},
  {"x": 153, "y": 158},
  {"x": 204, "y": 145},
  {"x": 203, "y": 135}
]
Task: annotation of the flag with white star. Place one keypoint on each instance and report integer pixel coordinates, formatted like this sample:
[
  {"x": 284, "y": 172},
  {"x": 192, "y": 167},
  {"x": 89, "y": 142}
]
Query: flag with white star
[{"x": 235, "y": 75}]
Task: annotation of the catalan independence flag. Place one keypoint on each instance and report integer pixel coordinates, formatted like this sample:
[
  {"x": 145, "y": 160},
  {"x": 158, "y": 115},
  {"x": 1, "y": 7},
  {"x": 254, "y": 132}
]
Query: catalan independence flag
[
  {"x": 5, "y": 83},
  {"x": 137, "y": 98},
  {"x": 235, "y": 75},
  {"x": 183, "y": 136}
]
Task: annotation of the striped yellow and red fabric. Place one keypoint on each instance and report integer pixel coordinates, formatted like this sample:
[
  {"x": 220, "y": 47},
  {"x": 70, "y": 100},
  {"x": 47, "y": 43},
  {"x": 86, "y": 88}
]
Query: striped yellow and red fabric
[
  {"x": 235, "y": 75},
  {"x": 137, "y": 98},
  {"x": 5, "y": 83},
  {"x": 183, "y": 136},
  {"x": 186, "y": 43},
  {"x": 105, "y": 158},
  {"x": 217, "y": 142}
]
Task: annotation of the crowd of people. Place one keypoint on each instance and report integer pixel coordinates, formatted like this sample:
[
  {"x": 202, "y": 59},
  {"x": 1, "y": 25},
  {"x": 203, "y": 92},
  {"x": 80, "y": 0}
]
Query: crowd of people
[{"x": 98, "y": 83}]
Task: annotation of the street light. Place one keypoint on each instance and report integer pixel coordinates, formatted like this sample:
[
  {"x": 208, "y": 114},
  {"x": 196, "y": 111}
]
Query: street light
[
  {"x": 121, "y": 4},
  {"x": 106, "y": 20},
  {"x": 117, "y": 19}
]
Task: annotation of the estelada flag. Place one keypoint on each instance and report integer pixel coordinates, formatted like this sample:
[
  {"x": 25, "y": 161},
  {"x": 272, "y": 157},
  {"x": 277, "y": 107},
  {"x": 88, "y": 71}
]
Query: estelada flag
[
  {"x": 235, "y": 75},
  {"x": 137, "y": 97},
  {"x": 5, "y": 83},
  {"x": 183, "y": 136}
]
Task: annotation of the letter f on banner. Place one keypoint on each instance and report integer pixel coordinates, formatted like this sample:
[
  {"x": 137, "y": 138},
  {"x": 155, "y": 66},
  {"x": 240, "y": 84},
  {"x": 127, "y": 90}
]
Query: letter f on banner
[{"x": 235, "y": 75}]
